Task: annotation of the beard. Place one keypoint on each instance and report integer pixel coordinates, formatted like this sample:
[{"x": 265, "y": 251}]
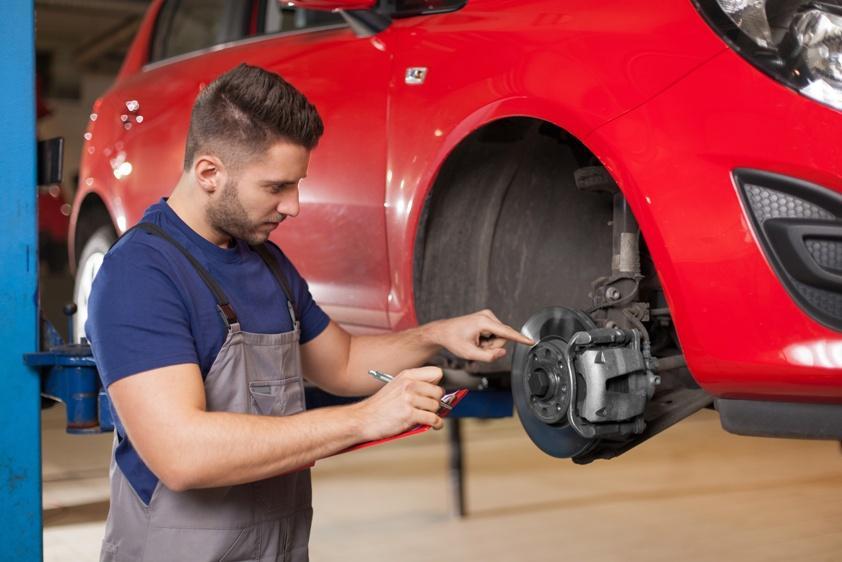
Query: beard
[{"x": 227, "y": 215}]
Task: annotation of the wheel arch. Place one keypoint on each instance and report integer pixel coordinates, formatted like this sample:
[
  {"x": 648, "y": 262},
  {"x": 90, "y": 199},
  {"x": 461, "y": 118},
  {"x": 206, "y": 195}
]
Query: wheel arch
[
  {"x": 404, "y": 206},
  {"x": 522, "y": 133},
  {"x": 91, "y": 214}
]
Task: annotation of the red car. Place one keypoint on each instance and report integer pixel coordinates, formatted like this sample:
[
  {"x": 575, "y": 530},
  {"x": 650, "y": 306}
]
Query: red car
[{"x": 653, "y": 191}]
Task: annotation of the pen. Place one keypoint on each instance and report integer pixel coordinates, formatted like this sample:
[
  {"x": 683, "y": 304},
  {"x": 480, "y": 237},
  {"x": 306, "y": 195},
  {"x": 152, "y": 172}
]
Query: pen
[{"x": 384, "y": 377}]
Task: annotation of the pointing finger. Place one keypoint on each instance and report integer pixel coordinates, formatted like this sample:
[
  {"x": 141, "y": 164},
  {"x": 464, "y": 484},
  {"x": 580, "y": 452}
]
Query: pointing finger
[{"x": 504, "y": 331}]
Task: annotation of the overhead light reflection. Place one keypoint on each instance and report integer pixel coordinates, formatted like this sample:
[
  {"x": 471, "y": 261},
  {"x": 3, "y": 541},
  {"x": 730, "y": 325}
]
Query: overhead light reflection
[
  {"x": 120, "y": 166},
  {"x": 123, "y": 170},
  {"x": 820, "y": 353}
]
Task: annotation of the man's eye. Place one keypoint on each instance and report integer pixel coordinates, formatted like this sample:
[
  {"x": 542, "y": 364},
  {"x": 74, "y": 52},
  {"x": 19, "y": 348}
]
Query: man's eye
[{"x": 279, "y": 187}]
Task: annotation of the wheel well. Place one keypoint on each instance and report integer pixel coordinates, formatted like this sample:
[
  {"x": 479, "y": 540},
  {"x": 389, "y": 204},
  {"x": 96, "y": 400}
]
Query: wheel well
[
  {"x": 93, "y": 214},
  {"x": 505, "y": 227}
]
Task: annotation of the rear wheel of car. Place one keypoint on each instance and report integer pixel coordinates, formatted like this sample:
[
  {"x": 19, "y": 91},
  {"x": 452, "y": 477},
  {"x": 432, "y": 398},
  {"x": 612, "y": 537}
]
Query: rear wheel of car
[{"x": 90, "y": 261}]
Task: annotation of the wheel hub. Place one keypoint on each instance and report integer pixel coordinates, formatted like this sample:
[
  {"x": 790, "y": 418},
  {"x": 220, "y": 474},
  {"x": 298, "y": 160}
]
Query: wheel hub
[
  {"x": 547, "y": 380},
  {"x": 541, "y": 381}
]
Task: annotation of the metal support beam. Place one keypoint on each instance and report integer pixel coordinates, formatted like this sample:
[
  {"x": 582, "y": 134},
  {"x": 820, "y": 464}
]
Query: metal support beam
[
  {"x": 456, "y": 465},
  {"x": 20, "y": 410}
]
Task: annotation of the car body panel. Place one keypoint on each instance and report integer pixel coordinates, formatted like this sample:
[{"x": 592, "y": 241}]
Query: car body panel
[
  {"x": 505, "y": 78},
  {"x": 742, "y": 334}
]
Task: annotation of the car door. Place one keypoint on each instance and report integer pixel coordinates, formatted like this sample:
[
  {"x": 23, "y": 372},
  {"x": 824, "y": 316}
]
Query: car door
[{"x": 338, "y": 240}]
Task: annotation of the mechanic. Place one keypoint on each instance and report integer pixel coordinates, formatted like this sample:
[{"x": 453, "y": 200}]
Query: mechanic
[{"x": 202, "y": 331}]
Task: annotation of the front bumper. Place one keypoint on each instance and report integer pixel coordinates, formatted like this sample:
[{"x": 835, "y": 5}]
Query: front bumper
[{"x": 743, "y": 333}]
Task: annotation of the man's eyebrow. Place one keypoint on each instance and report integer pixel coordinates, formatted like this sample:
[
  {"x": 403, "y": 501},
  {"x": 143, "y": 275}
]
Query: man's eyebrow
[{"x": 281, "y": 181}]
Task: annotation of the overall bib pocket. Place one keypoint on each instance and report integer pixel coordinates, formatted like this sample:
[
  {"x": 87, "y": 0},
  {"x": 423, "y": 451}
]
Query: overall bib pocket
[{"x": 281, "y": 397}]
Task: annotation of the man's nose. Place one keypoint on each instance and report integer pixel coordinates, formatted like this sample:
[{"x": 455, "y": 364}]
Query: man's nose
[{"x": 289, "y": 205}]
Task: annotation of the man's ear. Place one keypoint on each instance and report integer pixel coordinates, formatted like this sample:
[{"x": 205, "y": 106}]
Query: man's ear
[{"x": 209, "y": 173}]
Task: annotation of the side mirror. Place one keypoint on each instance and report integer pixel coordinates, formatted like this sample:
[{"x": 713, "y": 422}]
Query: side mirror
[{"x": 50, "y": 158}]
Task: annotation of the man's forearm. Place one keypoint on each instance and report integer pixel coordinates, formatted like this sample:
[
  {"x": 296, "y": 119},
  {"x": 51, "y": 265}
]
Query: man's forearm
[
  {"x": 221, "y": 449},
  {"x": 390, "y": 353},
  {"x": 339, "y": 362}
]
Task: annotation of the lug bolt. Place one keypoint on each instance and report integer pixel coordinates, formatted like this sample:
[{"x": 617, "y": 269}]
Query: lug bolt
[{"x": 612, "y": 293}]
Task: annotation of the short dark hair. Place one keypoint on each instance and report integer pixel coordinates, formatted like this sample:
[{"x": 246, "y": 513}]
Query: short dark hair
[{"x": 246, "y": 110}]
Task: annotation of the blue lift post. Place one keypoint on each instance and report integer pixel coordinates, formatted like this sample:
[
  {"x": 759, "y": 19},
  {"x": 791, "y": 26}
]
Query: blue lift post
[{"x": 20, "y": 413}]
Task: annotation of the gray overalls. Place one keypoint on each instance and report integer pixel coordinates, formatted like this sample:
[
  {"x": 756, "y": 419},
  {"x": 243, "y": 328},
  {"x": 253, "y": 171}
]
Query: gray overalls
[{"x": 262, "y": 521}]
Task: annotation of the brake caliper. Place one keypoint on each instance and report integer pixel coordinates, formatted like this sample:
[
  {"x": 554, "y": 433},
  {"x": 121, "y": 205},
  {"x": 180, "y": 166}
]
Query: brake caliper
[
  {"x": 598, "y": 382},
  {"x": 613, "y": 381}
]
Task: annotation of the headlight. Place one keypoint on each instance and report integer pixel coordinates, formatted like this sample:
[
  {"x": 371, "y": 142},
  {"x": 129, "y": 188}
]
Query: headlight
[{"x": 798, "y": 42}]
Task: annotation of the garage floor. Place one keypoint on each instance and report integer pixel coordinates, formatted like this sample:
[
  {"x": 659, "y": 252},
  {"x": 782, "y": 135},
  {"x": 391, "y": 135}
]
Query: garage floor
[{"x": 694, "y": 493}]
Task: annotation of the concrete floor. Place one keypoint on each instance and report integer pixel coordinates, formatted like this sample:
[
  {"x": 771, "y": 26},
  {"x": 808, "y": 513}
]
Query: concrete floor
[{"x": 693, "y": 493}]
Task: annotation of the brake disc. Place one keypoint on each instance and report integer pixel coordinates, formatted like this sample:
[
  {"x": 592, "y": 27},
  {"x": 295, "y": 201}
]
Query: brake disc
[{"x": 540, "y": 381}]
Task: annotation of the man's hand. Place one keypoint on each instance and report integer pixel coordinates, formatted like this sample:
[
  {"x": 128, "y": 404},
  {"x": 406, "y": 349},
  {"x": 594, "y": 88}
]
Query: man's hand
[
  {"x": 477, "y": 337},
  {"x": 412, "y": 398}
]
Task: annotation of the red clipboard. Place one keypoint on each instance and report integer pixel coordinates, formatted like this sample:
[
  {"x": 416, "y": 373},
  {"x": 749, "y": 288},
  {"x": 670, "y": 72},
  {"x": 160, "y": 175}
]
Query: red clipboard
[{"x": 453, "y": 399}]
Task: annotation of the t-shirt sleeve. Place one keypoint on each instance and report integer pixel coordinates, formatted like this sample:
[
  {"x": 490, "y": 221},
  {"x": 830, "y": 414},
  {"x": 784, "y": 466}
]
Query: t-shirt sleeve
[
  {"x": 313, "y": 319},
  {"x": 137, "y": 320}
]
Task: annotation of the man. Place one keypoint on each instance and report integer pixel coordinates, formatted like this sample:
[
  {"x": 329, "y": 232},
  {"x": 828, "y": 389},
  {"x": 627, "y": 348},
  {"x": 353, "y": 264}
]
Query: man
[{"x": 202, "y": 332}]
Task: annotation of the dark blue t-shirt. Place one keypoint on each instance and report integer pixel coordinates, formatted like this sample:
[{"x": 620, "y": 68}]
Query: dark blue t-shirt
[{"x": 150, "y": 309}]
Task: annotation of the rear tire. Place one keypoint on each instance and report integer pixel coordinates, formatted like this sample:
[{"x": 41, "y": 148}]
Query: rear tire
[{"x": 89, "y": 263}]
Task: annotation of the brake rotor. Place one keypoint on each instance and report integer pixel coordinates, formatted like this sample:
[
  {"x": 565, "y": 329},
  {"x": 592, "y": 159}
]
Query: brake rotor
[{"x": 540, "y": 381}]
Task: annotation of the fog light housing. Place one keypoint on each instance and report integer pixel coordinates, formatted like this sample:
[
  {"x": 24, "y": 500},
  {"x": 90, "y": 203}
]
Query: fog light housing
[{"x": 799, "y": 227}]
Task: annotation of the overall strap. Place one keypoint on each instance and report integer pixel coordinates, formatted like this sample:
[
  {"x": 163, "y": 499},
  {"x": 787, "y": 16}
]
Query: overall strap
[
  {"x": 223, "y": 305},
  {"x": 272, "y": 262}
]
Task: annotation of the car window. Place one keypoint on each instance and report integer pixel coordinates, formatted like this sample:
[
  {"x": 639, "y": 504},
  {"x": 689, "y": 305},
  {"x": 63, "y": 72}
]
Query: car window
[
  {"x": 280, "y": 17},
  {"x": 184, "y": 26}
]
